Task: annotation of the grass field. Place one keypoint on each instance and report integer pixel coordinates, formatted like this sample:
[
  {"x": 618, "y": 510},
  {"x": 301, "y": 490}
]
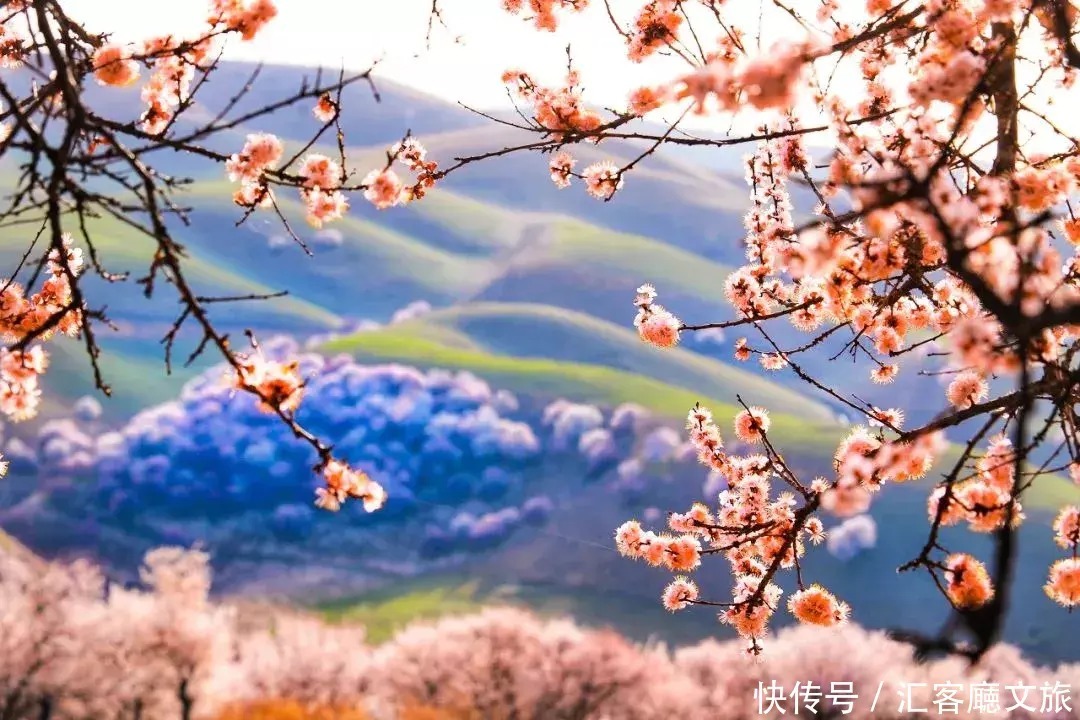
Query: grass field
[
  {"x": 576, "y": 381},
  {"x": 124, "y": 250},
  {"x": 664, "y": 265},
  {"x": 135, "y": 373},
  {"x": 384, "y": 613},
  {"x": 527, "y": 330}
]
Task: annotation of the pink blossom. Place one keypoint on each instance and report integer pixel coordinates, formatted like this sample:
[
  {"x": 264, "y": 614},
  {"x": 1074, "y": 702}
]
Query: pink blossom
[
  {"x": 383, "y": 188},
  {"x": 646, "y": 99},
  {"x": 628, "y": 538},
  {"x": 543, "y": 11},
  {"x": 658, "y": 327},
  {"x": 603, "y": 179},
  {"x": 1063, "y": 586},
  {"x": 680, "y": 594},
  {"x": 1067, "y": 527},
  {"x": 324, "y": 206},
  {"x": 410, "y": 152},
  {"x": 967, "y": 389},
  {"x": 561, "y": 167},
  {"x": 319, "y": 171},
  {"x": 884, "y": 374},
  {"x": 751, "y": 425},
  {"x": 261, "y": 152},
  {"x": 113, "y": 66},
  {"x": 770, "y": 80},
  {"x": 246, "y": 17},
  {"x": 326, "y": 109}
]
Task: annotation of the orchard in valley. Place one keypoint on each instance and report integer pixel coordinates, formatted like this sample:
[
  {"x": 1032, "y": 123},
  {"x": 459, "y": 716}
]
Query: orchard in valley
[{"x": 930, "y": 138}]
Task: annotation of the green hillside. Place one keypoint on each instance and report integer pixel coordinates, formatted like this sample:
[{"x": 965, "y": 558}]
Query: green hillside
[
  {"x": 541, "y": 331},
  {"x": 408, "y": 343},
  {"x": 123, "y": 249},
  {"x": 446, "y": 340},
  {"x": 367, "y": 270},
  {"x": 449, "y": 248},
  {"x": 666, "y": 266},
  {"x": 446, "y": 250},
  {"x": 137, "y": 377},
  {"x": 474, "y": 226},
  {"x": 583, "y": 267}
]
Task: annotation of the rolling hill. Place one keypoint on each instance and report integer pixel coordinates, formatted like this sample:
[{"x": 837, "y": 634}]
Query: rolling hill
[
  {"x": 547, "y": 379},
  {"x": 536, "y": 331},
  {"x": 532, "y": 290},
  {"x": 124, "y": 251},
  {"x": 446, "y": 250},
  {"x": 710, "y": 204}
]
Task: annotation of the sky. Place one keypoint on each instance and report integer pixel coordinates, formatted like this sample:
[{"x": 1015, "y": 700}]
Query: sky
[
  {"x": 466, "y": 57},
  {"x": 356, "y": 32},
  {"x": 463, "y": 64}
]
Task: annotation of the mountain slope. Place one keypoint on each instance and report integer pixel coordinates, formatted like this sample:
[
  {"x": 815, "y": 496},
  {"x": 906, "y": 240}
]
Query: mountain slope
[
  {"x": 134, "y": 371},
  {"x": 358, "y": 268},
  {"x": 710, "y": 205},
  {"x": 541, "y": 331},
  {"x": 124, "y": 250},
  {"x": 546, "y": 378},
  {"x": 579, "y": 266}
]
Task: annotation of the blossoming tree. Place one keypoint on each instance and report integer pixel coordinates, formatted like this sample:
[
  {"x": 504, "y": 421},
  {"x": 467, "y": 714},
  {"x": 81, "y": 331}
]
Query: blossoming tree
[
  {"x": 942, "y": 216},
  {"x": 77, "y": 162},
  {"x": 77, "y": 647}
]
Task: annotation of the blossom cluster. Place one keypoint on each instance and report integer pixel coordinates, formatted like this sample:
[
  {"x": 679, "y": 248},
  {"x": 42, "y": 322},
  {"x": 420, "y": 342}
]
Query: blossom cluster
[
  {"x": 85, "y": 647},
  {"x": 656, "y": 25},
  {"x": 386, "y": 189},
  {"x": 23, "y": 319},
  {"x": 322, "y": 179},
  {"x": 1063, "y": 585},
  {"x": 343, "y": 482},
  {"x": 654, "y": 323},
  {"x": 984, "y": 501},
  {"x": 845, "y": 275},
  {"x": 246, "y": 17},
  {"x": 602, "y": 179},
  {"x": 561, "y": 112},
  {"x": 768, "y": 81},
  {"x": 865, "y": 461},
  {"x": 320, "y": 189},
  {"x": 261, "y": 152},
  {"x": 543, "y": 11},
  {"x": 967, "y": 583},
  {"x": 756, "y": 531},
  {"x": 12, "y": 46},
  {"x": 558, "y": 110},
  {"x": 174, "y": 61},
  {"x": 955, "y": 59}
]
